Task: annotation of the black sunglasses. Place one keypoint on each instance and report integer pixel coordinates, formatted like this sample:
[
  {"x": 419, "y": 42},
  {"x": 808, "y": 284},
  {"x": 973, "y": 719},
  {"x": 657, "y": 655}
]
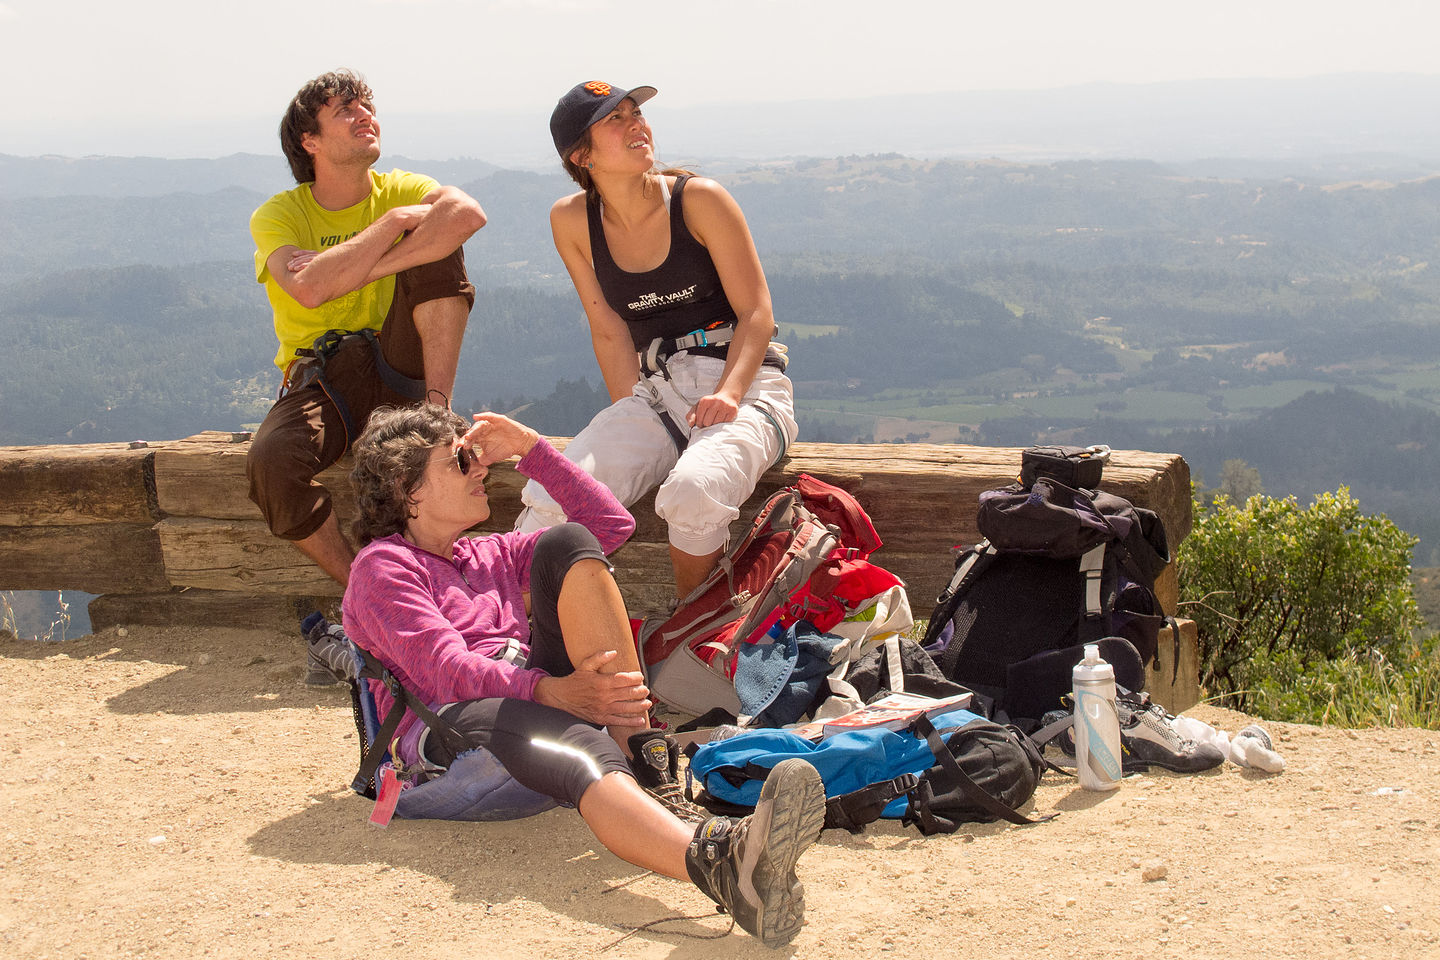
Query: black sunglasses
[{"x": 464, "y": 456}]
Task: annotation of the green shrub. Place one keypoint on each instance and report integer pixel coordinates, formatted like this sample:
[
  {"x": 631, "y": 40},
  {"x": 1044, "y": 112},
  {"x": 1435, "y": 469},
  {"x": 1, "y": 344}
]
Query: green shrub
[
  {"x": 1356, "y": 690},
  {"x": 1282, "y": 594}
]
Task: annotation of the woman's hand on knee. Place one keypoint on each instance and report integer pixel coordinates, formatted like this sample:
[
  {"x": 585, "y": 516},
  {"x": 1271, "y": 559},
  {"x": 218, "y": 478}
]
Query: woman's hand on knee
[{"x": 607, "y": 699}]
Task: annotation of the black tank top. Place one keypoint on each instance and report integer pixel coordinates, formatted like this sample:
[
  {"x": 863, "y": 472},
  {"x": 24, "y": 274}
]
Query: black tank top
[{"x": 681, "y": 295}]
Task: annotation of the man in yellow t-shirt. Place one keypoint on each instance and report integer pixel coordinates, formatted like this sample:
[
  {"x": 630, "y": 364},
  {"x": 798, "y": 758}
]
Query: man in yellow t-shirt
[{"x": 373, "y": 263}]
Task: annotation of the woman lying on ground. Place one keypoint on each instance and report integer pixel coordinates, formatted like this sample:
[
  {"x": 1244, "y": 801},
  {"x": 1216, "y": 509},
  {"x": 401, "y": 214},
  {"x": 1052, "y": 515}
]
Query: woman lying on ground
[
  {"x": 446, "y": 614},
  {"x": 681, "y": 322}
]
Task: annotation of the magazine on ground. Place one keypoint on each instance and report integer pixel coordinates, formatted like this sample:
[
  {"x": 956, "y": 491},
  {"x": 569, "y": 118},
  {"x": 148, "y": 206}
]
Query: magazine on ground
[{"x": 894, "y": 711}]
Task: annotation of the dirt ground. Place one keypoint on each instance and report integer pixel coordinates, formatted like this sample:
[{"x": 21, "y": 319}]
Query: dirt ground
[{"x": 181, "y": 793}]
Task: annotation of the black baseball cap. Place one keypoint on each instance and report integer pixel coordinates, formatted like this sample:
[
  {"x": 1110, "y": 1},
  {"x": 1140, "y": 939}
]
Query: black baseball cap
[{"x": 585, "y": 105}]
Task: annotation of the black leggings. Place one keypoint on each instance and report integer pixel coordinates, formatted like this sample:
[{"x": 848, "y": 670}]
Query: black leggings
[
  {"x": 545, "y": 749},
  {"x": 558, "y": 549}
]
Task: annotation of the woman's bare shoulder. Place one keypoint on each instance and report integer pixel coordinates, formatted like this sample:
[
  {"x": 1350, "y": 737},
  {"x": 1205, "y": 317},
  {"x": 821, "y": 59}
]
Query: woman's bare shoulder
[
  {"x": 696, "y": 185},
  {"x": 568, "y": 213},
  {"x": 709, "y": 207},
  {"x": 569, "y": 206}
]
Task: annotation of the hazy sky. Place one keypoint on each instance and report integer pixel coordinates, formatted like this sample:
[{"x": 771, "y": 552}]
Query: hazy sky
[{"x": 194, "y": 78}]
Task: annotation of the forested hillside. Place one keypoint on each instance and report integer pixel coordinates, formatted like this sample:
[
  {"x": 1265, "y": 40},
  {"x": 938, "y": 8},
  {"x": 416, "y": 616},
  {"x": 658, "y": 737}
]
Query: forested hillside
[
  {"x": 1386, "y": 453},
  {"x": 1132, "y": 303}
]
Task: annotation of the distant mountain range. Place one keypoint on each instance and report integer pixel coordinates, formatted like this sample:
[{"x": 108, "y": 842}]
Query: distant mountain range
[
  {"x": 1289, "y": 120},
  {"x": 55, "y": 176},
  {"x": 1176, "y": 121}
]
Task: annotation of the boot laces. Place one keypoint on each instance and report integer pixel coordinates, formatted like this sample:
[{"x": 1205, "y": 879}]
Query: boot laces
[{"x": 672, "y": 797}]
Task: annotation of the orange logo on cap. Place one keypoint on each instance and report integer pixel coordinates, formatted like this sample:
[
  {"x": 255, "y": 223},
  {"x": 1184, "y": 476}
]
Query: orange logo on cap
[{"x": 598, "y": 88}]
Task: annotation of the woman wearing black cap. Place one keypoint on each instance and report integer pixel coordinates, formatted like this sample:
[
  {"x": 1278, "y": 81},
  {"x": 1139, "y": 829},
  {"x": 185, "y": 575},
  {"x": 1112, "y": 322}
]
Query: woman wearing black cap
[{"x": 681, "y": 322}]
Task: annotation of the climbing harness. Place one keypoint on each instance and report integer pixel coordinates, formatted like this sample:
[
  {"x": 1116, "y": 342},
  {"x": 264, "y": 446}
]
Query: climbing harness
[{"x": 308, "y": 368}]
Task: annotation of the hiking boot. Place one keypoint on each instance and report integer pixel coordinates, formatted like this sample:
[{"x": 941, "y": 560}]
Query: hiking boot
[
  {"x": 1147, "y": 738},
  {"x": 655, "y": 761},
  {"x": 748, "y": 866}
]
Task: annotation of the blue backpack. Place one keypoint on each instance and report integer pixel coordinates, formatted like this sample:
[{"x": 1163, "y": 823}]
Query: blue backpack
[{"x": 935, "y": 774}]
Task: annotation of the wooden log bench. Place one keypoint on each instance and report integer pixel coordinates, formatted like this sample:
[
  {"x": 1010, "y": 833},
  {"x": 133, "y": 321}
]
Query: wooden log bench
[{"x": 166, "y": 533}]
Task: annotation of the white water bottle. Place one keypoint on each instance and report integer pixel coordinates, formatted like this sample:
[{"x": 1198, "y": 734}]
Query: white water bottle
[{"x": 1097, "y": 724}]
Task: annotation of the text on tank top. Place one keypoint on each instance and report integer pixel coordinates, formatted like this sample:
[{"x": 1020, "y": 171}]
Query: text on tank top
[{"x": 683, "y": 294}]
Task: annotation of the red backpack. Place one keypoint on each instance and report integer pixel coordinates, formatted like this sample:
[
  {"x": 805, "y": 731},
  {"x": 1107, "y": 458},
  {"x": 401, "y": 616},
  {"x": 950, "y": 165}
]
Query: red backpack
[{"x": 799, "y": 532}]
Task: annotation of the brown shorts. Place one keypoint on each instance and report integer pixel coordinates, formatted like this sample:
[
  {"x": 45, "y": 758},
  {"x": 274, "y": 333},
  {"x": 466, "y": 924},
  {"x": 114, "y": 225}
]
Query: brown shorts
[{"x": 304, "y": 432}]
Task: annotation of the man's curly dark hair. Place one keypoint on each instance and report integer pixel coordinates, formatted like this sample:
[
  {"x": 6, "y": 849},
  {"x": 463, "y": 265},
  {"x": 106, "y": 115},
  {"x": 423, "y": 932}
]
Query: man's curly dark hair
[
  {"x": 303, "y": 115},
  {"x": 390, "y": 460}
]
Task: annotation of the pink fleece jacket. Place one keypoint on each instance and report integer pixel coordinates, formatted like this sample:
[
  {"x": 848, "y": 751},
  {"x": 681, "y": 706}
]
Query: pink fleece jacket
[{"x": 439, "y": 625}]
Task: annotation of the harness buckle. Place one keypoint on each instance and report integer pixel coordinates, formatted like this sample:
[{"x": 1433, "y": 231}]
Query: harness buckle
[
  {"x": 652, "y": 359},
  {"x": 328, "y": 343}
]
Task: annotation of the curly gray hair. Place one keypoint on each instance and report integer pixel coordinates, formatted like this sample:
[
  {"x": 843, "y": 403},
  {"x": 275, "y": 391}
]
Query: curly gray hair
[{"x": 390, "y": 460}]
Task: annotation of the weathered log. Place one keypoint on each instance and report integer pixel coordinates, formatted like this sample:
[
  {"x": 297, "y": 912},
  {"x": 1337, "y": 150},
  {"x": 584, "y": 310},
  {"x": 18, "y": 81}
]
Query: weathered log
[
  {"x": 96, "y": 558},
  {"x": 237, "y": 555},
  {"x": 77, "y": 484},
  {"x": 204, "y": 476},
  {"x": 643, "y": 573},
  {"x": 242, "y": 557},
  {"x": 905, "y": 487},
  {"x": 184, "y": 607},
  {"x": 922, "y": 498}
]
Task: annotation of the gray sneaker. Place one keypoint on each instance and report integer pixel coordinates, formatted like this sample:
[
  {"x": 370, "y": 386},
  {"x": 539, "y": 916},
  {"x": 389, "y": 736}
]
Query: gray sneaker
[
  {"x": 316, "y": 673},
  {"x": 1147, "y": 738},
  {"x": 748, "y": 866}
]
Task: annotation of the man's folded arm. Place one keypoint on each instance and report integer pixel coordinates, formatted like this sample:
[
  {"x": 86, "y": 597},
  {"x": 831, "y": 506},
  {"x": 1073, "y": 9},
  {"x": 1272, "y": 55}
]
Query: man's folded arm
[
  {"x": 453, "y": 218},
  {"x": 314, "y": 278}
]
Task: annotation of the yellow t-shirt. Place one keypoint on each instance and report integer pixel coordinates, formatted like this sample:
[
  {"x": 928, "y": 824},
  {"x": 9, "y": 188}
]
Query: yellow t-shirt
[{"x": 294, "y": 218}]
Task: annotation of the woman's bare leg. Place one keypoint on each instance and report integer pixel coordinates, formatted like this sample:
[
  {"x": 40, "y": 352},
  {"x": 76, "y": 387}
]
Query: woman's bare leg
[
  {"x": 691, "y": 569},
  {"x": 593, "y": 619},
  {"x": 634, "y": 827}
]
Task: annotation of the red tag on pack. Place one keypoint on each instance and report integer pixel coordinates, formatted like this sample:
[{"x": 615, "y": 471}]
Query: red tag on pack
[{"x": 385, "y": 799}]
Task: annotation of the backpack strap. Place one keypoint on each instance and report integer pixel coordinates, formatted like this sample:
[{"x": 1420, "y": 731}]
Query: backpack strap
[
  {"x": 921, "y": 812},
  {"x": 1122, "y": 553},
  {"x": 1174, "y": 626},
  {"x": 1092, "y": 564},
  {"x": 970, "y": 565},
  {"x": 1049, "y": 732},
  {"x": 1127, "y": 563},
  {"x": 350, "y": 662},
  {"x": 404, "y": 699},
  {"x": 923, "y": 816},
  {"x": 852, "y": 811},
  {"x": 842, "y": 691},
  {"x": 1093, "y": 623}
]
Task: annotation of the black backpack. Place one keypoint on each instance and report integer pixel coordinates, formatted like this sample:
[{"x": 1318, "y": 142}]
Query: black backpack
[{"x": 1060, "y": 567}]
